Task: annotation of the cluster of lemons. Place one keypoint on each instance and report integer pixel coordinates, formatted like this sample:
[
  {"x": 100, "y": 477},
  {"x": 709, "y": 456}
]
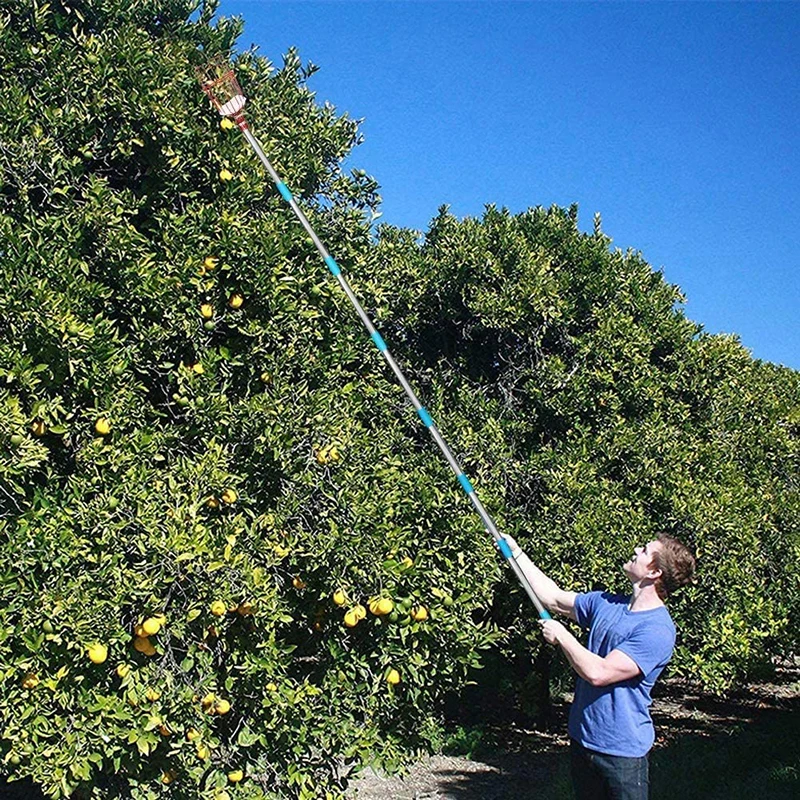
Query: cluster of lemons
[
  {"x": 207, "y": 310},
  {"x": 228, "y": 496},
  {"x": 380, "y": 606},
  {"x": 328, "y": 454},
  {"x": 144, "y": 630}
]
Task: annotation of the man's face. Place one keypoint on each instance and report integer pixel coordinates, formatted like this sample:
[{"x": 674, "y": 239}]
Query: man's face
[{"x": 641, "y": 562}]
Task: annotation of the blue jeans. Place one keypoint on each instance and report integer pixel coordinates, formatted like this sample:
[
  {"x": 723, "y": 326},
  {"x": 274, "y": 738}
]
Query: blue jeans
[{"x": 597, "y": 776}]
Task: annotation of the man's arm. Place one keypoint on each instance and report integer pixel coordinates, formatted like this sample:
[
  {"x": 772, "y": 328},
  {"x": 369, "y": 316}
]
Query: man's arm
[
  {"x": 553, "y": 598},
  {"x": 596, "y": 670}
]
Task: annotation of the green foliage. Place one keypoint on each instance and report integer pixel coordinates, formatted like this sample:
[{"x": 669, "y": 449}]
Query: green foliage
[
  {"x": 258, "y": 458},
  {"x": 217, "y": 480},
  {"x": 595, "y": 416}
]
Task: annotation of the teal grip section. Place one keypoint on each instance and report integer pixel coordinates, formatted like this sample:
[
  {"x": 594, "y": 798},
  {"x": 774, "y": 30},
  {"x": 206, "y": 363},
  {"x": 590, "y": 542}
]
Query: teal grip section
[
  {"x": 544, "y": 615},
  {"x": 284, "y": 190},
  {"x": 466, "y": 485},
  {"x": 332, "y": 265},
  {"x": 502, "y": 545},
  {"x": 379, "y": 343},
  {"x": 425, "y": 417}
]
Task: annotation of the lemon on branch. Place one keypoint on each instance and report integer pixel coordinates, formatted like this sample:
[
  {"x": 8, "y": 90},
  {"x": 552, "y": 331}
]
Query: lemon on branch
[
  {"x": 151, "y": 626},
  {"x": 97, "y": 653},
  {"x": 218, "y": 608}
]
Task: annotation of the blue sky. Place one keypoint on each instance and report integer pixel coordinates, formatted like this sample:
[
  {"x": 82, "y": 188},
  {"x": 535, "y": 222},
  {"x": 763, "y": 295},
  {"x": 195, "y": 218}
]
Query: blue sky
[{"x": 678, "y": 121}]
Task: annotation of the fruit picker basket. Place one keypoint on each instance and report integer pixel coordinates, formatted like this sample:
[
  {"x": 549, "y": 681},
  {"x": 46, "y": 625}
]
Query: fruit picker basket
[{"x": 218, "y": 81}]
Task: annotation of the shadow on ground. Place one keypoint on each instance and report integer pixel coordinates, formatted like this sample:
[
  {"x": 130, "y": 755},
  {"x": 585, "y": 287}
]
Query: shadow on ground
[{"x": 745, "y": 745}]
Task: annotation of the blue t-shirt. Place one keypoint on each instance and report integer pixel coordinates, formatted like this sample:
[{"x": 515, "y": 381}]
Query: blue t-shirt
[{"x": 616, "y": 719}]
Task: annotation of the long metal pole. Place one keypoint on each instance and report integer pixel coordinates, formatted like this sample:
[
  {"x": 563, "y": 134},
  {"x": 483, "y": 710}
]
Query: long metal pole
[{"x": 239, "y": 118}]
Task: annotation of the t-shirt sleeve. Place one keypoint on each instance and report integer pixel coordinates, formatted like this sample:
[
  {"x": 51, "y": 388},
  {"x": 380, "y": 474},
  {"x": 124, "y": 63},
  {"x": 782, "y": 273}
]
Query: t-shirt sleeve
[
  {"x": 585, "y": 607},
  {"x": 650, "y": 646}
]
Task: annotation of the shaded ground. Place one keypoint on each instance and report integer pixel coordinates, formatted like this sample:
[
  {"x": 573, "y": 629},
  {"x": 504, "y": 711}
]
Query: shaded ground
[{"x": 744, "y": 745}]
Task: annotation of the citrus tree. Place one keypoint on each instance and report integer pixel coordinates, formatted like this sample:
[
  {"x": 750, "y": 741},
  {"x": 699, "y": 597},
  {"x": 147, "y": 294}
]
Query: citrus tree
[
  {"x": 229, "y": 570},
  {"x": 596, "y": 415}
]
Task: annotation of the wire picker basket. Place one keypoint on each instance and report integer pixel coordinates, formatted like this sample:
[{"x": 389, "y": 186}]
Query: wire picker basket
[{"x": 218, "y": 81}]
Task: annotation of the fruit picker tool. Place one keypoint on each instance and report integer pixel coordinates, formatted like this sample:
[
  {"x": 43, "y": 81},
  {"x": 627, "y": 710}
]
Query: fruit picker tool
[{"x": 219, "y": 82}]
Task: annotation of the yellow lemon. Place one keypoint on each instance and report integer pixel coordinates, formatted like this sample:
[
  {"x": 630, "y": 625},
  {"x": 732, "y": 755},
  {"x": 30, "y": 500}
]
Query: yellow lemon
[
  {"x": 102, "y": 426},
  {"x": 208, "y": 701},
  {"x": 226, "y": 124},
  {"x": 222, "y": 707},
  {"x": 143, "y": 645},
  {"x": 197, "y": 368},
  {"x": 236, "y": 301},
  {"x": 272, "y": 687},
  {"x": 151, "y": 626},
  {"x": 235, "y": 776},
  {"x": 360, "y": 611},
  {"x": 351, "y": 619},
  {"x": 30, "y": 681},
  {"x": 339, "y": 597},
  {"x": 203, "y": 752},
  {"x": 229, "y": 496},
  {"x": 218, "y": 608},
  {"x": 419, "y": 613},
  {"x": 152, "y": 694},
  {"x": 385, "y": 606},
  {"x": 209, "y": 262},
  {"x": 225, "y": 175},
  {"x": 192, "y": 734},
  {"x": 322, "y": 456},
  {"x": 206, "y": 311},
  {"x": 212, "y": 502},
  {"x": 97, "y": 653},
  {"x": 393, "y": 677},
  {"x": 123, "y": 670}
]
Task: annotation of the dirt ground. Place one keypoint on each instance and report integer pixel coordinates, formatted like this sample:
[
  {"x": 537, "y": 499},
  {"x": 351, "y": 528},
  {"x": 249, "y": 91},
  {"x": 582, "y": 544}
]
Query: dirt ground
[{"x": 522, "y": 762}]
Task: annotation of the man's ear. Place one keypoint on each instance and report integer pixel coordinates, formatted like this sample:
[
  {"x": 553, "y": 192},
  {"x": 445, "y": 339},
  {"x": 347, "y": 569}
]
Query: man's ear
[{"x": 654, "y": 573}]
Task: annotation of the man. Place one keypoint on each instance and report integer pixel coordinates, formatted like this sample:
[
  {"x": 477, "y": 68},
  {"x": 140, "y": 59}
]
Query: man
[{"x": 631, "y": 638}]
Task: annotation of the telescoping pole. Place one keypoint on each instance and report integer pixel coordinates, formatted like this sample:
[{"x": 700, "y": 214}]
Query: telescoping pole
[{"x": 222, "y": 88}]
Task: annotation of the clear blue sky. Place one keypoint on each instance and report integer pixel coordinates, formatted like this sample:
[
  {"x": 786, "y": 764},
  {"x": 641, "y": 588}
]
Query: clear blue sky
[{"x": 678, "y": 122}]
